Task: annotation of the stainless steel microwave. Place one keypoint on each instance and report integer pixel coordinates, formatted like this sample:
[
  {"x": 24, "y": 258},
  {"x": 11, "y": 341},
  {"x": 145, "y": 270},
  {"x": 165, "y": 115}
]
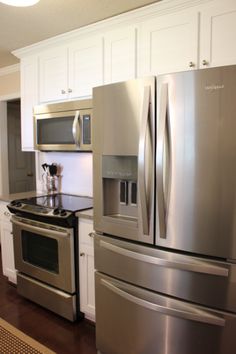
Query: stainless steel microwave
[{"x": 64, "y": 126}]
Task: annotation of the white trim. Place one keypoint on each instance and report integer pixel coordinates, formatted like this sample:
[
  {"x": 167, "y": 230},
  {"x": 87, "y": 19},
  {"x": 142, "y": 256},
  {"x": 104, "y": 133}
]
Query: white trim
[
  {"x": 12, "y": 96},
  {"x": 9, "y": 69},
  {"x": 128, "y": 18},
  {"x": 4, "y": 178}
]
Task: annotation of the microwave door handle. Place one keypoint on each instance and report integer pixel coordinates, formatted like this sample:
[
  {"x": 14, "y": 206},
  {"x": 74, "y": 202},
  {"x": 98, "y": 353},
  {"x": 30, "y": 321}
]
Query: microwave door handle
[
  {"x": 141, "y": 160},
  {"x": 161, "y": 212},
  {"x": 76, "y": 131}
]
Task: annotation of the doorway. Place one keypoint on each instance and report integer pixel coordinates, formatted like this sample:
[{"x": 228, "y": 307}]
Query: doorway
[{"x": 21, "y": 165}]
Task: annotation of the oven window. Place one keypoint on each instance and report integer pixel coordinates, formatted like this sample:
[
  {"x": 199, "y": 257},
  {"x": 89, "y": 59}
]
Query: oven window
[{"x": 40, "y": 251}]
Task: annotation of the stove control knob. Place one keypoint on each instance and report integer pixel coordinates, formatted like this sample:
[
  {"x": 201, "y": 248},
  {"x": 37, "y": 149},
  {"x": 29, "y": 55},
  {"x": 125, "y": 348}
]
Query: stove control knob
[
  {"x": 18, "y": 204},
  {"x": 56, "y": 211},
  {"x": 13, "y": 203},
  {"x": 62, "y": 212}
]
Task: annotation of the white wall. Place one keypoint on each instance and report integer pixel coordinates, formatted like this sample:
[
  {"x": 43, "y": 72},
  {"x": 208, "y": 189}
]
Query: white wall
[{"x": 76, "y": 171}]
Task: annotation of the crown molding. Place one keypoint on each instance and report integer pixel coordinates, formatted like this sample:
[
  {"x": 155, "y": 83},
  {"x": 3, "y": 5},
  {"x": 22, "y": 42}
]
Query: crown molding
[
  {"x": 11, "y": 96},
  {"x": 130, "y": 18},
  {"x": 9, "y": 69}
]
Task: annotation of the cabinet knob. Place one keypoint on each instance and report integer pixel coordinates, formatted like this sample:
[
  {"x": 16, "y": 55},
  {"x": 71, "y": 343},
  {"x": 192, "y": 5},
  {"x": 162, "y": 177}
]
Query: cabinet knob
[
  {"x": 69, "y": 90},
  {"x": 91, "y": 234},
  {"x": 63, "y": 92},
  {"x": 82, "y": 254},
  {"x": 191, "y": 64},
  {"x": 204, "y": 62}
]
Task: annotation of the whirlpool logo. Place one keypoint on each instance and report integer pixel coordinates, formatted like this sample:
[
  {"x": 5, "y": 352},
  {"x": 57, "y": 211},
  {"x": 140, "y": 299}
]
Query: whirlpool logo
[{"x": 214, "y": 87}]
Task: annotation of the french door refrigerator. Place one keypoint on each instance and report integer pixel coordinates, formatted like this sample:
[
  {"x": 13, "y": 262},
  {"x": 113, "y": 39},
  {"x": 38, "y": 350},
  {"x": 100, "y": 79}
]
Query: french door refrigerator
[{"x": 165, "y": 214}]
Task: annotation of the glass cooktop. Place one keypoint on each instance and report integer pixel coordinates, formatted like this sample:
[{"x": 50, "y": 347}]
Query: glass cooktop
[{"x": 67, "y": 202}]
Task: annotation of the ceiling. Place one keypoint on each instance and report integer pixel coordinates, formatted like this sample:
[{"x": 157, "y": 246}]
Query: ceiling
[{"x": 23, "y": 26}]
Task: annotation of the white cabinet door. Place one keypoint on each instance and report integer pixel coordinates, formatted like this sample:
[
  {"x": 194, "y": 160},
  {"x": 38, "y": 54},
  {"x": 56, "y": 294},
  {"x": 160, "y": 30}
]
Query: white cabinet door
[
  {"x": 217, "y": 35},
  {"x": 29, "y": 98},
  {"x": 53, "y": 75},
  {"x": 86, "y": 269},
  {"x": 169, "y": 43},
  {"x": 8, "y": 263},
  {"x": 87, "y": 287},
  {"x": 120, "y": 55},
  {"x": 85, "y": 66}
]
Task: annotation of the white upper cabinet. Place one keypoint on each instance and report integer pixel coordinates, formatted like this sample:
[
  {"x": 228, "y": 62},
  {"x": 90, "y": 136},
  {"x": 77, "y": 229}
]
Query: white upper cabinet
[
  {"x": 120, "y": 54},
  {"x": 169, "y": 43},
  {"x": 168, "y": 36},
  {"x": 217, "y": 35},
  {"x": 53, "y": 84},
  {"x": 85, "y": 66},
  {"x": 71, "y": 71},
  {"x": 29, "y": 98}
]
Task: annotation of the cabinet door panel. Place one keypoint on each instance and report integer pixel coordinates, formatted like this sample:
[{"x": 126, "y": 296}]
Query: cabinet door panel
[
  {"x": 85, "y": 66},
  {"x": 218, "y": 28},
  {"x": 120, "y": 55},
  {"x": 87, "y": 287},
  {"x": 29, "y": 98},
  {"x": 8, "y": 263},
  {"x": 169, "y": 43},
  {"x": 53, "y": 75},
  {"x": 86, "y": 268}
]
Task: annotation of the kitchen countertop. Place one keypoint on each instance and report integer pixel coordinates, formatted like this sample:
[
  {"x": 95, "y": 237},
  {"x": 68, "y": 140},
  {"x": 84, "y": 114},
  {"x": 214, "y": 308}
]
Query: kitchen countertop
[
  {"x": 9, "y": 197},
  {"x": 85, "y": 214}
]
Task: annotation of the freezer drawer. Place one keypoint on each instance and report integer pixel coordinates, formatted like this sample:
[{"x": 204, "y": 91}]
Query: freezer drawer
[
  {"x": 136, "y": 321},
  {"x": 200, "y": 280}
]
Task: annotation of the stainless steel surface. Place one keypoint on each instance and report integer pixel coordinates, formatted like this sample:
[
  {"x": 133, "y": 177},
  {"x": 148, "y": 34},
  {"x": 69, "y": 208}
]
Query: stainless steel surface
[
  {"x": 201, "y": 114},
  {"x": 35, "y": 226},
  {"x": 123, "y": 149},
  {"x": 76, "y": 128},
  {"x": 152, "y": 323},
  {"x": 185, "y": 311},
  {"x": 177, "y": 294},
  {"x": 161, "y": 205},
  {"x": 53, "y": 299},
  {"x": 65, "y": 278},
  {"x": 205, "y": 281},
  {"x": 142, "y": 160},
  {"x": 63, "y": 106},
  {"x": 64, "y": 109}
]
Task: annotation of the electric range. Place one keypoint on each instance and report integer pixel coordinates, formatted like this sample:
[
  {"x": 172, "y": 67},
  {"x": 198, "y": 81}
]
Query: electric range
[{"x": 46, "y": 250}]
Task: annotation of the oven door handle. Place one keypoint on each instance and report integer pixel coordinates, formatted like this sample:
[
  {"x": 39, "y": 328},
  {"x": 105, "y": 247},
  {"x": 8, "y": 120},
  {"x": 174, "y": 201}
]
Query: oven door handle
[{"x": 56, "y": 232}]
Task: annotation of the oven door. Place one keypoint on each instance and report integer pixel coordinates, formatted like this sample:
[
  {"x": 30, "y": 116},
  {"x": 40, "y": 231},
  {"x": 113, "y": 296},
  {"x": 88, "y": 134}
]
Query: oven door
[{"x": 45, "y": 252}]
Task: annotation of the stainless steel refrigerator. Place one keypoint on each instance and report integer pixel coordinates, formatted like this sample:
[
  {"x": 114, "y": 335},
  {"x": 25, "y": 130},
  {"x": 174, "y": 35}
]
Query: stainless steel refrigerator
[{"x": 165, "y": 214}]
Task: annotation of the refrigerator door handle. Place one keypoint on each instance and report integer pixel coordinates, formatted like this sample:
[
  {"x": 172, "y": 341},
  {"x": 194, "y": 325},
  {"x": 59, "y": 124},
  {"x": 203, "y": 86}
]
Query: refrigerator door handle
[
  {"x": 76, "y": 128},
  {"x": 185, "y": 264},
  {"x": 141, "y": 160},
  {"x": 159, "y": 161},
  {"x": 182, "y": 310}
]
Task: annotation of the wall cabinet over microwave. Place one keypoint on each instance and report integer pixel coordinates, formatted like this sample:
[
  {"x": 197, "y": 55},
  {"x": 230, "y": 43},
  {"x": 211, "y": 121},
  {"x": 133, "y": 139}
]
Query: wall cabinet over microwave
[{"x": 63, "y": 126}]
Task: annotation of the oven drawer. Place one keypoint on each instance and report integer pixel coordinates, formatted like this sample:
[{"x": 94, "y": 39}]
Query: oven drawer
[
  {"x": 136, "y": 321},
  {"x": 207, "y": 282},
  {"x": 53, "y": 299}
]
